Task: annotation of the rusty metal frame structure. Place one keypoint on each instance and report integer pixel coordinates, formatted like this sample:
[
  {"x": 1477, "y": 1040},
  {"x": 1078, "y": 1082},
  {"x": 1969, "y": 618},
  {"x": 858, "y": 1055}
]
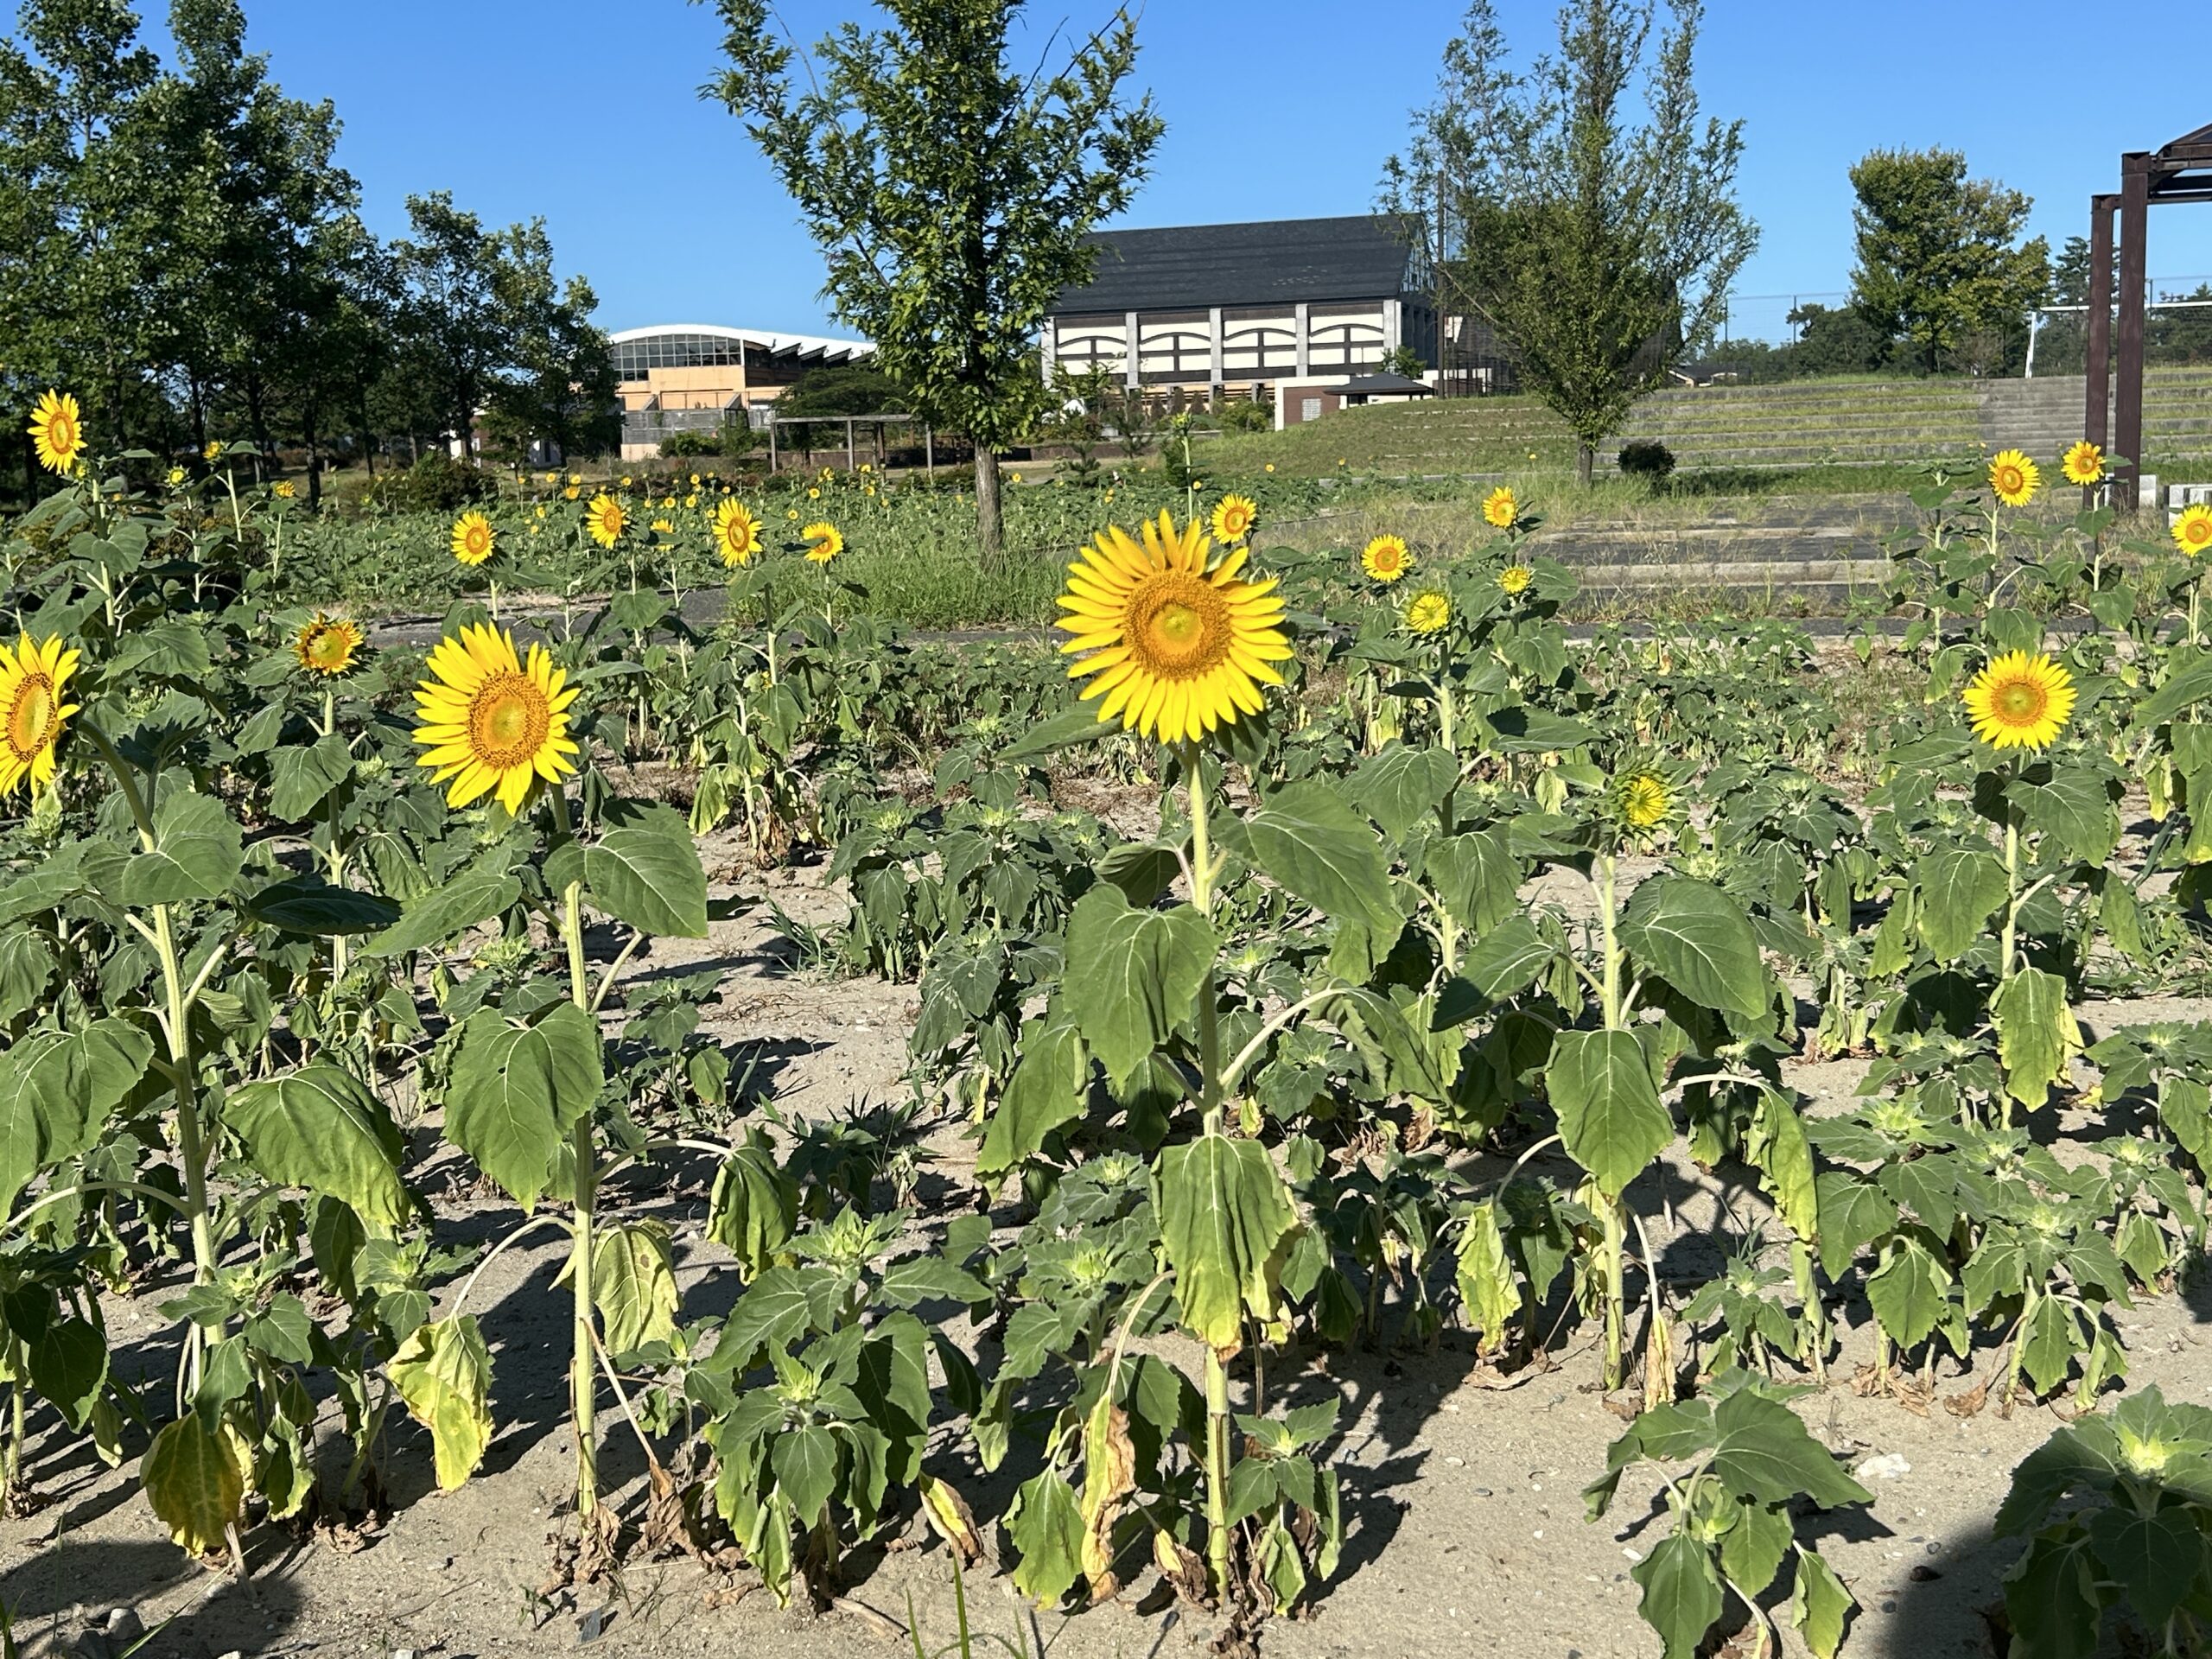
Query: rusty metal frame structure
[{"x": 2180, "y": 171}]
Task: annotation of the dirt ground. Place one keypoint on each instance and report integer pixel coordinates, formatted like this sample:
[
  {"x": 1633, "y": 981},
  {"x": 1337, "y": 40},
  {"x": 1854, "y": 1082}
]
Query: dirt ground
[{"x": 1462, "y": 1489}]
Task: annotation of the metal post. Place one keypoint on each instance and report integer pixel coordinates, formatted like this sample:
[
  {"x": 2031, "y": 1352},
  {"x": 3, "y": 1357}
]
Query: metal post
[
  {"x": 2097, "y": 398},
  {"x": 851, "y": 460},
  {"x": 772, "y": 443},
  {"x": 929, "y": 450},
  {"x": 2127, "y": 395}
]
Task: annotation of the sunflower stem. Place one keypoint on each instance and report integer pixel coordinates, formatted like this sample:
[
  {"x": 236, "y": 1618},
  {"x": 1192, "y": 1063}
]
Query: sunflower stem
[{"x": 583, "y": 1380}]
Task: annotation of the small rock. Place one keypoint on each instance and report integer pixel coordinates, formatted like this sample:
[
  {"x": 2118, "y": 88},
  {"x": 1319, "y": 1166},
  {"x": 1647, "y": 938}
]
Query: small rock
[
  {"x": 123, "y": 1625},
  {"x": 1923, "y": 1574},
  {"x": 1888, "y": 1466}
]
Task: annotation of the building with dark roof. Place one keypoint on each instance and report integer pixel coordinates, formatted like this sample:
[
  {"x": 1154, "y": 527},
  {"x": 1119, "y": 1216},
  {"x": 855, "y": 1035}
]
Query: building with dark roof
[{"x": 1243, "y": 309}]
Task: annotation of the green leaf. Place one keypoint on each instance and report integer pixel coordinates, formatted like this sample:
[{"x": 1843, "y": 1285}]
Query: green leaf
[
  {"x": 1854, "y": 1212},
  {"x": 1699, "y": 939},
  {"x": 2156, "y": 1557},
  {"x": 1508, "y": 959},
  {"x": 1226, "y": 1223},
  {"x": 1046, "y": 1527},
  {"x": 2075, "y": 807},
  {"x": 633, "y": 1282},
  {"x": 1610, "y": 1116},
  {"x": 1401, "y": 786},
  {"x": 805, "y": 1462},
  {"x": 1682, "y": 1593},
  {"x": 2051, "y": 1600},
  {"x": 194, "y": 1482},
  {"x": 1132, "y": 975},
  {"x": 308, "y": 904},
  {"x": 1072, "y": 726},
  {"x": 645, "y": 871},
  {"x": 1751, "y": 1551},
  {"x": 1908, "y": 1293},
  {"x": 472, "y": 897},
  {"x": 443, "y": 1372},
  {"x": 27, "y": 967},
  {"x": 517, "y": 1090},
  {"x": 2047, "y": 1344},
  {"x": 1958, "y": 891},
  {"x": 754, "y": 1209},
  {"x": 198, "y": 851},
  {"x": 1307, "y": 839},
  {"x": 68, "y": 1364},
  {"x": 1485, "y": 1276},
  {"x": 2036, "y": 1033},
  {"x": 1477, "y": 878},
  {"x": 57, "y": 1089},
  {"x": 1777, "y": 1146},
  {"x": 320, "y": 1129},
  {"x": 1764, "y": 1453},
  {"x": 1820, "y": 1606},
  {"x": 1048, "y": 1090},
  {"x": 301, "y": 777}
]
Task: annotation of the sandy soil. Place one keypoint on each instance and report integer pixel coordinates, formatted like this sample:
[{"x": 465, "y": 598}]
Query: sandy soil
[{"x": 1462, "y": 1489}]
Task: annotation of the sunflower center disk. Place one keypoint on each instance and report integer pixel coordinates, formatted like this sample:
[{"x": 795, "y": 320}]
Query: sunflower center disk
[
  {"x": 508, "y": 719},
  {"x": 2022, "y": 702},
  {"x": 1177, "y": 627},
  {"x": 30, "y": 717}
]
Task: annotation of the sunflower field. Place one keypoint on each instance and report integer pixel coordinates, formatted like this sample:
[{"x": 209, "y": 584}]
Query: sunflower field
[{"x": 1312, "y": 957}]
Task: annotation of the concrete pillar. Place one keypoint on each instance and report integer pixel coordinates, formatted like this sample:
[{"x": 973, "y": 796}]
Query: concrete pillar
[
  {"x": 1213, "y": 330},
  {"x": 1129, "y": 339},
  {"x": 1305, "y": 342}
]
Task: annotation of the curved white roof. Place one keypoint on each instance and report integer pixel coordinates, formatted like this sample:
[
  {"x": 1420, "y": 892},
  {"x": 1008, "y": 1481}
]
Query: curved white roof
[{"x": 769, "y": 339}]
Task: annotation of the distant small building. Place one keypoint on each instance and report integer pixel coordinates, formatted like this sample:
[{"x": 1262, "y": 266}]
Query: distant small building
[
  {"x": 1240, "y": 310},
  {"x": 1294, "y": 405},
  {"x": 694, "y": 377}
]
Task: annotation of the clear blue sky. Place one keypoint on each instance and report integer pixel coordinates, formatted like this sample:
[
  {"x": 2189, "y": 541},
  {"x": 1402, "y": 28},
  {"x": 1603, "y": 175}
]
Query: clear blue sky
[{"x": 588, "y": 114}]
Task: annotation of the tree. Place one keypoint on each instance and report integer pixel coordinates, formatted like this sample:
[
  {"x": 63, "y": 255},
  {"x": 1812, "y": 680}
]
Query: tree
[
  {"x": 845, "y": 389},
  {"x": 1601, "y": 250},
  {"x": 1939, "y": 260},
  {"x": 950, "y": 192}
]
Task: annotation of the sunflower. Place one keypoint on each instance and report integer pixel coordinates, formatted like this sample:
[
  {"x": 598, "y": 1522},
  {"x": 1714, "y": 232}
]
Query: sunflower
[
  {"x": 605, "y": 519},
  {"x": 176, "y": 476},
  {"x": 572, "y": 491},
  {"x": 1176, "y": 647},
  {"x": 664, "y": 527},
  {"x": 2019, "y": 702},
  {"x": 813, "y": 493},
  {"x": 822, "y": 542},
  {"x": 1233, "y": 518},
  {"x": 1514, "y": 580},
  {"x": 1500, "y": 510},
  {"x": 737, "y": 533},
  {"x": 1642, "y": 799},
  {"x": 472, "y": 538},
  {"x": 284, "y": 489},
  {"x": 57, "y": 430},
  {"x": 2083, "y": 464},
  {"x": 327, "y": 644},
  {"x": 489, "y": 722},
  {"x": 1385, "y": 558},
  {"x": 2193, "y": 531},
  {"x": 2014, "y": 478},
  {"x": 32, "y": 676},
  {"x": 1429, "y": 611},
  {"x": 211, "y": 450}
]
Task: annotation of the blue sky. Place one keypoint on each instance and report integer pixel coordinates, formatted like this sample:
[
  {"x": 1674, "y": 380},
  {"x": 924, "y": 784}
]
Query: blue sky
[{"x": 587, "y": 113}]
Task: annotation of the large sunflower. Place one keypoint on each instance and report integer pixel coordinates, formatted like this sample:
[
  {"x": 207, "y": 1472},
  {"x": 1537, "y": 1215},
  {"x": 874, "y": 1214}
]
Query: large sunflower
[
  {"x": 472, "y": 538},
  {"x": 737, "y": 533},
  {"x": 32, "y": 678},
  {"x": 605, "y": 519},
  {"x": 2019, "y": 702},
  {"x": 326, "y": 645},
  {"x": 2083, "y": 464},
  {"x": 1385, "y": 558},
  {"x": 1233, "y": 518},
  {"x": 1500, "y": 510},
  {"x": 490, "y": 722},
  {"x": 823, "y": 542},
  {"x": 2014, "y": 478},
  {"x": 1177, "y": 648},
  {"x": 57, "y": 431},
  {"x": 2192, "y": 531}
]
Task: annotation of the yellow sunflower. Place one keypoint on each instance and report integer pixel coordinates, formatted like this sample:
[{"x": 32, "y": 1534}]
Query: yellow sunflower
[
  {"x": 737, "y": 533},
  {"x": 813, "y": 494},
  {"x": 490, "y": 722},
  {"x": 1233, "y": 518},
  {"x": 605, "y": 519},
  {"x": 2019, "y": 702},
  {"x": 1500, "y": 510},
  {"x": 2083, "y": 464},
  {"x": 1644, "y": 799},
  {"x": 1514, "y": 580},
  {"x": 57, "y": 430},
  {"x": 32, "y": 676},
  {"x": 1176, "y": 646},
  {"x": 1385, "y": 558},
  {"x": 284, "y": 489},
  {"x": 822, "y": 542},
  {"x": 472, "y": 538},
  {"x": 327, "y": 644},
  {"x": 2014, "y": 478},
  {"x": 1429, "y": 611},
  {"x": 571, "y": 491},
  {"x": 664, "y": 527},
  {"x": 2193, "y": 531},
  {"x": 176, "y": 476},
  {"x": 212, "y": 450}
]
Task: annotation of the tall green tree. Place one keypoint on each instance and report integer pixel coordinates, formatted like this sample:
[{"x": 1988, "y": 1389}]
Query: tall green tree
[
  {"x": 1940, "y": 255},
  {"x": 951, "y": 192},
  {"x": 1600, "y": 246}
]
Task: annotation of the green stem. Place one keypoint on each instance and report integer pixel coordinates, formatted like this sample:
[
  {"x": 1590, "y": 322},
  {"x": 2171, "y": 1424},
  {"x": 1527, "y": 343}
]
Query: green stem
[
  {"x": 1610, "y": 987},
  {"x": 2011, "y": 895},
  {"x": 1216, "y": 1448},
  {"x": 1217, "y": 1474},
  {"x": 582, "y": 1380},
  {"x": 1615, "y": 1249}
]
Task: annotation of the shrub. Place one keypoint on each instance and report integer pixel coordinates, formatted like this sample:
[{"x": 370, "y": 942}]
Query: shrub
[
  {"x": 1244, "y": 415},
  {"x": 1646, "y": 458},
  {"x": 435, "y": 483}
]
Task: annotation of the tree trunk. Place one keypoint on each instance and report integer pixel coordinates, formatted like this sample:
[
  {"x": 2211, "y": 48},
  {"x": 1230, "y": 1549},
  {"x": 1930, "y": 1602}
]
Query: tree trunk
[
  {"x": 989, "y": 529},
  {"x": 1586, "y": 457}
]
